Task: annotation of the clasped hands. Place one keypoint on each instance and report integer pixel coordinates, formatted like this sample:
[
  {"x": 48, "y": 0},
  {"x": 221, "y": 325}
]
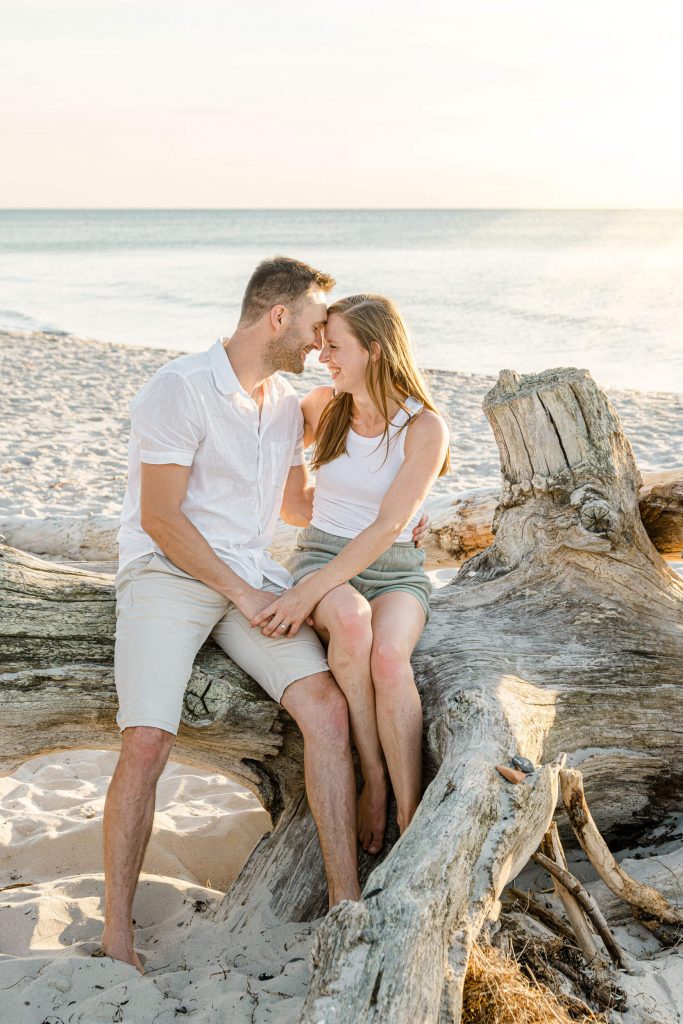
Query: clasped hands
[{"x": 285, "y": 614}]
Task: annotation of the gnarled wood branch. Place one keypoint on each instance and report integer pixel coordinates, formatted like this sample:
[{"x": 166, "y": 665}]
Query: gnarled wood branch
[
  {"x": 643, "y": 897},
  {"x": 552, "y": 848},
  {"x": 588, "y": 904}
]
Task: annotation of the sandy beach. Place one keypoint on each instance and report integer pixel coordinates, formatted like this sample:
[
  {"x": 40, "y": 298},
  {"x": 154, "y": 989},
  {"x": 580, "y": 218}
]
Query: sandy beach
[
  {"x": 63, "y": 448},
  {"x": 63, "y": 451}
]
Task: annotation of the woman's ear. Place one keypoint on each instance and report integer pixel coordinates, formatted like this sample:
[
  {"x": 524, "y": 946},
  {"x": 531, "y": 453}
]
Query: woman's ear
[{"x": 375, "y": 351}]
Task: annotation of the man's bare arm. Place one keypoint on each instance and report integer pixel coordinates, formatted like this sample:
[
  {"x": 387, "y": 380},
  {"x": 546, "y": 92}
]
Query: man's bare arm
[{"x": 162, "y": 492}]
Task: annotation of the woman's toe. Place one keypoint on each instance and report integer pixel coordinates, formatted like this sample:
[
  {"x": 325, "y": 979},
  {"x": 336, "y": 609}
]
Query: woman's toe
[{"x": 376, "y": 843}]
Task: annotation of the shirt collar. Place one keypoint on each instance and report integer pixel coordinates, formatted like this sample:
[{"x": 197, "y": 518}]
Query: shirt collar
[{"x": 224, "y": 376}]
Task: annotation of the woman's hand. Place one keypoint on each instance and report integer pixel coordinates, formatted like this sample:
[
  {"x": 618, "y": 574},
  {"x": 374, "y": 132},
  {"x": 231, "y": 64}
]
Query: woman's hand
[
  {"x": 421, "y": 530},
  {"x": 288, "y": 610}
]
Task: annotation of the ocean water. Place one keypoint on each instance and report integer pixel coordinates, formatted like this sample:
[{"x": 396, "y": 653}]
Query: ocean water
[{"x": 481, "y": 290}]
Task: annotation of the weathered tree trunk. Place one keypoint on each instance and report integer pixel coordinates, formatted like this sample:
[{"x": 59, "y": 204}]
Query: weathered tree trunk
[
  {"x": 57, "y": 684},
  {"x": 462, "y": 524},
  {"x": 566, "y": 634}
]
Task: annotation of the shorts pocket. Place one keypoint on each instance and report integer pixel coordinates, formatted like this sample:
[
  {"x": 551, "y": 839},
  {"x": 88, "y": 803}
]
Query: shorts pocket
[{"x": 124, "y": 598}]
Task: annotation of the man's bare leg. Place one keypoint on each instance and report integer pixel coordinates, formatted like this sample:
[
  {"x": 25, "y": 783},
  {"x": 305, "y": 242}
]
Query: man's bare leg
[
  {"x": 344, "y": 619},
  {"x": 128, "y": 819},
  {"x": 319, "y": 708}
]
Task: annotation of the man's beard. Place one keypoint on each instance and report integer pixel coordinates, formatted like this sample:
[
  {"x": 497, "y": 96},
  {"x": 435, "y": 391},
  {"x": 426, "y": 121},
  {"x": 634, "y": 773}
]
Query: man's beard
[{"x": 285, "y": 352}]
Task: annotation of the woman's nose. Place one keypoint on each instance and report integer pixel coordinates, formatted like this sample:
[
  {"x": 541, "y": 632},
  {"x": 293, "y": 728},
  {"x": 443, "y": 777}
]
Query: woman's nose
[{"x": 324, "y": 355}]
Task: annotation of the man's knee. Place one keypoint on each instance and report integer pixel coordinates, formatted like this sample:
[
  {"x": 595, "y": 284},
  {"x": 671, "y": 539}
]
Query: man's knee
[
  {"x": 146, "y": 749},
  {"x": 318, "y": 707}
]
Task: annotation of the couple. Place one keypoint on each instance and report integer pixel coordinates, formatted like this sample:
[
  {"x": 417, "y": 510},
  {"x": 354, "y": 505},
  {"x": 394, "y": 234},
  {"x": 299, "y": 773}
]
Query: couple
[{"x": 215, "y": 456}]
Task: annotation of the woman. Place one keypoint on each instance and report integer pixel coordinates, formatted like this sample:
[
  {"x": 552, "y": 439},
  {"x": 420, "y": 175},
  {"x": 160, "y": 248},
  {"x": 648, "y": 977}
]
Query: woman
[{"x": 379, "y": 446}]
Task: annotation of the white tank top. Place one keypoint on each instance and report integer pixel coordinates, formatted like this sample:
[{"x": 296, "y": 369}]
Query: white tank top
[{"x": 350, "y": 489}]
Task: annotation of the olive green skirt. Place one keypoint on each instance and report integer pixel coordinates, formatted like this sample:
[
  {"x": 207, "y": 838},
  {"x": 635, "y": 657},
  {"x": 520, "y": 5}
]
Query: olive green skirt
[{"x": 399, "y": 568}]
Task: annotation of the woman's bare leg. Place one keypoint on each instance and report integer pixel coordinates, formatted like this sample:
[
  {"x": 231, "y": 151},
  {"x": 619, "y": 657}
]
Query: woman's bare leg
[
  {"x": 343, "y": 619},
  {"x": 397, "y": 622}
]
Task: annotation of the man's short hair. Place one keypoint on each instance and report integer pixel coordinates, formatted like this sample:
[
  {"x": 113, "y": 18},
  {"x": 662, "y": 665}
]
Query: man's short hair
[{"x": 280, "y": 281}]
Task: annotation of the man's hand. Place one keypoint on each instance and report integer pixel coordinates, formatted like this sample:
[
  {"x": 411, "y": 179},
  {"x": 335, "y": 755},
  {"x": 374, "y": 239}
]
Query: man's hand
[
  {"x": 254, "y": 601},
  {"x": 421, "y": 531}
]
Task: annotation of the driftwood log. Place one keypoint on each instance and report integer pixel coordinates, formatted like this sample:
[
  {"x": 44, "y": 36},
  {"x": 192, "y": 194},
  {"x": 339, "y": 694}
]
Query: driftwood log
[
  {"x": 564, "y": 635},
  {"x": 461, "y": 526}
]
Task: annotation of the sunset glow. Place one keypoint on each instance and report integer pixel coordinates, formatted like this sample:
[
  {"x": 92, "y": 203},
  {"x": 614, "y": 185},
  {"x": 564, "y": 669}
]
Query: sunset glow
[{"x": 173, "y": 104}]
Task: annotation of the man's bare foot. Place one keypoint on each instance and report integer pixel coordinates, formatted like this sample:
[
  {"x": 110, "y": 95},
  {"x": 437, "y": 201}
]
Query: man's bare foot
[
  {"x": 120, "y": 949},
  {"x": 372, "y": 814}
]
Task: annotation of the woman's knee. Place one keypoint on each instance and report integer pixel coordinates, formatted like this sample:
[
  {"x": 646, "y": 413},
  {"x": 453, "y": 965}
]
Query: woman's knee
[
  {"x": 348, "y": 618},
  {"x": 389, "y": 663}
]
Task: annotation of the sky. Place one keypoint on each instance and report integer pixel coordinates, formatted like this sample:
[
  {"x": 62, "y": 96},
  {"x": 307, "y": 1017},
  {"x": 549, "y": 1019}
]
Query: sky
[{"x": 218, "y": 103}]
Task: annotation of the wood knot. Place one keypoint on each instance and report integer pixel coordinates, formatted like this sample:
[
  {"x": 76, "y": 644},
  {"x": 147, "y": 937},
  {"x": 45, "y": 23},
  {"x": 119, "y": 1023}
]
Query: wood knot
[
  {"x": 596, "y": 514},
  {"x": 597, "y": 517}
]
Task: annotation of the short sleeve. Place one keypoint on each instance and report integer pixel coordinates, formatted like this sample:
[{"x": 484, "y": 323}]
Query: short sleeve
[
  {"x": 298, "y": 456},
  {"x": 166, "y": 420}
]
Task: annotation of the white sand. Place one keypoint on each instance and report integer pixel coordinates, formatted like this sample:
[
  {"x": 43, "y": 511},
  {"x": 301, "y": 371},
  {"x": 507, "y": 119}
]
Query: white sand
[
  {"x": 62, "y": 476},
  {"x": 52, "y": 821},
  {"x": 51, "y": 888}
]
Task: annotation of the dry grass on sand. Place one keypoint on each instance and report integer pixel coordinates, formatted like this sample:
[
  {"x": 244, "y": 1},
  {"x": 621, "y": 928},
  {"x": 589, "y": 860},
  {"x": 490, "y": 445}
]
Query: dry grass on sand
[{"x": 498, "y": 992}]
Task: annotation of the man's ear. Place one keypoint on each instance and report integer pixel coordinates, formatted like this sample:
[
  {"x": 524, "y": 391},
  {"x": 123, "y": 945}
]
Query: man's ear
[{"x": 277, "y": 316}]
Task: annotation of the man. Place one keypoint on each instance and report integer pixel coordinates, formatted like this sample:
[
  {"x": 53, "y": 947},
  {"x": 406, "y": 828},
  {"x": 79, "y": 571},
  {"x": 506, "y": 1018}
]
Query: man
[{"x": 216, "y": 445}]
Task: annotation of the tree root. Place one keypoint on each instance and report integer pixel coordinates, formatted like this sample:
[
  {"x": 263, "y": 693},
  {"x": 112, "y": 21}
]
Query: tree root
[{"x": 643, "y": 898}]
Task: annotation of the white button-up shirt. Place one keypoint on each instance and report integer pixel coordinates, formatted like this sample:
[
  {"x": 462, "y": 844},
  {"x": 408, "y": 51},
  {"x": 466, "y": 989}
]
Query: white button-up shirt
[{"x": 194, "y": 412}]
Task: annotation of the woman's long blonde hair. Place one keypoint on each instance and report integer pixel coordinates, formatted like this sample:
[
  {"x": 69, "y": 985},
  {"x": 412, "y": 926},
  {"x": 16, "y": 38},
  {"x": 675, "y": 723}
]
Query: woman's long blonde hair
[{"x": 394, "y": 376}]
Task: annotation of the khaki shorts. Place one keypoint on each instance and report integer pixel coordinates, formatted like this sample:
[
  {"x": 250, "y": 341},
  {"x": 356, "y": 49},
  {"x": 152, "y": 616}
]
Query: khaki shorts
[{"x": 164, "y": 615}]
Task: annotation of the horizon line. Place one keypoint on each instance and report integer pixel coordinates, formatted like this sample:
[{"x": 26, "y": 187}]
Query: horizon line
[{"x": 340, "y": 209}]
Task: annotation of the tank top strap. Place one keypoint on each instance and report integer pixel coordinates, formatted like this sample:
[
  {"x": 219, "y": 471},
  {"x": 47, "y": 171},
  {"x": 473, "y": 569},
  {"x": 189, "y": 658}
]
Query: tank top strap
[{"x": 402, "y": 417}]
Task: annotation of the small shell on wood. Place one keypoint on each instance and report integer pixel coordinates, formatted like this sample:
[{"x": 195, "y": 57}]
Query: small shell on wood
[
  {"x": 511, "y": 774},
  {"x": 523, "y": 764}
]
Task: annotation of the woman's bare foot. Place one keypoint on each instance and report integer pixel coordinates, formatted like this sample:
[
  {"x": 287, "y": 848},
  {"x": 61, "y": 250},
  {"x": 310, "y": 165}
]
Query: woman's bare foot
[
  {"x": 120, "y": 949},
  {"x": 372, "y": 813},
  {"x": 404, "y": 818}
]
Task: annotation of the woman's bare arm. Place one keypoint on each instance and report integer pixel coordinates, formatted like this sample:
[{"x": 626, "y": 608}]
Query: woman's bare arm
[{"x": 425, "y": 450}]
